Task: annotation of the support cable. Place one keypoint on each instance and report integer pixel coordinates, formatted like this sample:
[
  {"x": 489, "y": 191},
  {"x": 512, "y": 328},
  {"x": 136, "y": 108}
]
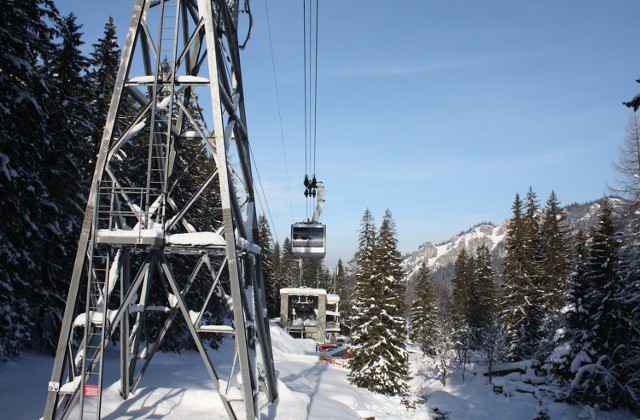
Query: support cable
[
  {"x": 315, "y": 108},
  {"x": 310, "y": 42},
  {"x": 304, "y": 42},
  {"x": 275, "y": 81}
]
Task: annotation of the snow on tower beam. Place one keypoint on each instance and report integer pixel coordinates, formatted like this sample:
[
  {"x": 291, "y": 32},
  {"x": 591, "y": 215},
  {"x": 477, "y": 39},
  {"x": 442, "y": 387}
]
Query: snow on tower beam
[{"x": 161, "y": 163}]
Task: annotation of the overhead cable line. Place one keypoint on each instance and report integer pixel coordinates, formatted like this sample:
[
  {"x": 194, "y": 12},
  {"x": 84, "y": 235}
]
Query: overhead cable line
[
  {"x": 315, "y": 107},
  {"x": 308, "y": 238},
  {"x": 310, "y": 48},
  {"x": 275, "y": 81}
]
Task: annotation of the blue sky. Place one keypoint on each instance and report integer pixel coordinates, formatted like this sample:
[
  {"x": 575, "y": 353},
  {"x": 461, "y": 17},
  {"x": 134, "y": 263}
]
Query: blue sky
[{"x": 439, "y": 111}]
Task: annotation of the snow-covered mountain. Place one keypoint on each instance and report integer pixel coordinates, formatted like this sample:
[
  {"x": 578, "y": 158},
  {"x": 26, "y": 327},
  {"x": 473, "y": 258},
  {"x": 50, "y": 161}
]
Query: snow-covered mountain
[
  {"x": 444, "y": 254},
  {"x": 440, "y": 257}
]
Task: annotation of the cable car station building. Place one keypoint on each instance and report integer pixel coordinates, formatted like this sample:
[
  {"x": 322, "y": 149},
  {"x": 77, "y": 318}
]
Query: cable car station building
[{"x": 309, "y": 313}]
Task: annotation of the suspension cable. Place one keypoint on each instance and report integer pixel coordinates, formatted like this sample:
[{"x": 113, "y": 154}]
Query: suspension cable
[
  {"x": 275, "y": 81},
  {"x": 304, "y": 59},
  {"x": 315, "y": 107},
  {"x": 310, "y": 47}
]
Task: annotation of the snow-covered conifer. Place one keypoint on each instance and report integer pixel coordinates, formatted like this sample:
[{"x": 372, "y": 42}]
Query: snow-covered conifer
[
  {"x": 601, "y": 347},
  {"x": 555, "y": 255},
  {"x": 520, "y": 312},
  {"x": 70, "y": 127},
  {"x": 289, "y": 270},
  {"x": 483, "y": 294},
  {"x": 271, "y": 285},
  {"x": 26, "y": 37},
  {"x": 379, "y": 359},
  {"x": 423, "y": 317}
]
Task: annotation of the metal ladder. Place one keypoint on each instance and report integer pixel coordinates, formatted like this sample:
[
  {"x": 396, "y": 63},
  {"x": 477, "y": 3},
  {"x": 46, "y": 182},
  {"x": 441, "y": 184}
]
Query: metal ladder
[{"x": 163, "y": 102}]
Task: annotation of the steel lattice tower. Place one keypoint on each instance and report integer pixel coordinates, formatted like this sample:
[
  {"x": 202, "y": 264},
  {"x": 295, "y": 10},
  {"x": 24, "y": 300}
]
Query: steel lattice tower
[{"x": 169, "y": 227}]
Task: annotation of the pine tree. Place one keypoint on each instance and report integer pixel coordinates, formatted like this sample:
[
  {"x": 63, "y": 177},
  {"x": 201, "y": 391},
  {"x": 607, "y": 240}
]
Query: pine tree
[
  {"x": 520, "y": 310},
  {"x": 364, "y": 260},
  {"x": 344, "y": 289},
  {"x": 423, "y": 318},
  {"x": 289, "y": 271},
  {"x": 340, "y": 280},
  {"x": 379, "y": 359},
  {"x": 460, "y": 307},
  {"x": 313, "y": 273},
  {"x": 272, "y": 289},
  {"x": 389, "y": 263},
  {"x": 70, "y": 127},
  {"x": 574, "y": 317},
  {"x": 483, "y": 294},
  {"x": 26, "y": 39},
  {"x": 461, "y": 291},
  {"x": 555, "y": 254},
  {"x": 276, "y": 255},
  {"x": 601, "y": 348},
  {"x": 104, "y": 62},
  {"x": 537, "y": 304}
]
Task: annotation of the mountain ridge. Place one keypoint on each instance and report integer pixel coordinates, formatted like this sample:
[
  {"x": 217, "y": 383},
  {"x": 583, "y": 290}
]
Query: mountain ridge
[{"x": 441, "y": 257}]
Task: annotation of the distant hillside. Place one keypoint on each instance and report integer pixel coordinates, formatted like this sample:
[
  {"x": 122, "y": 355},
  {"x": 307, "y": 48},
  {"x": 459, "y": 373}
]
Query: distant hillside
[{"x": 440, "y": 258}]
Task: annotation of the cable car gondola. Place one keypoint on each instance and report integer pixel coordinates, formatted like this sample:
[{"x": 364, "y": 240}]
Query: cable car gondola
[{"x": 308, "y": 240}]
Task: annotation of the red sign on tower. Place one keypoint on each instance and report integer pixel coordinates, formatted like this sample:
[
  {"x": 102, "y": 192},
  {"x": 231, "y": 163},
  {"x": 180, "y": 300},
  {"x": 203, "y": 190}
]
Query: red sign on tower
[{"x": 90, "y": 390}]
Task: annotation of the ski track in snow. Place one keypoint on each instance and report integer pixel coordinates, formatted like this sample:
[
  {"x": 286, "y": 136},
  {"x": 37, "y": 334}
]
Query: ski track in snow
[{"x": 176, "y": 386}]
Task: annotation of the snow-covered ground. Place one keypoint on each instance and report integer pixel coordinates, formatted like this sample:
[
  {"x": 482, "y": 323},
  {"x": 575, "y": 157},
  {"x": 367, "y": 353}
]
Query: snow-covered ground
[{"x": 177, "y": 387}]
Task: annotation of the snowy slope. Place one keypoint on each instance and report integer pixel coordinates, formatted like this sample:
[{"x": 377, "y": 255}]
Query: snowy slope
[{"x": 177, "y": 387}]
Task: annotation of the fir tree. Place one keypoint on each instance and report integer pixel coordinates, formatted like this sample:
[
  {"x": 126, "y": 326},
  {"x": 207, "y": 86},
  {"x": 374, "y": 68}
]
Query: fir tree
[
  {"x": 289, "y": 271},
  {"x": 601, "y": 348},
  {"x": 520, "y": 310},
  {"x": 27, "y": 43},
  {"x": 461, "y": 291},
  {"x": 313, "y": 273},
  {"x": 574, "y": 317},
  {"x": 276, "y": 255},
  {"x": 344, "y": 289},
  {"x": 379, "y": 359},
  {"x": 272, "y": 289},
  {"x": 555, "y": 254},
  {"x": 536, "y": 298},
  {"x": 70, "y": 127},
  {"x": 364, "y": 261},
  {"x": 424, "y": 313},
  {"x": 389, "y": 263},
  {"x": 482, "y": 302},
  {"x": 104, "y": 62},
  {"x": 460, "y": 307},
  {"x": 105, "y": 59}
]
